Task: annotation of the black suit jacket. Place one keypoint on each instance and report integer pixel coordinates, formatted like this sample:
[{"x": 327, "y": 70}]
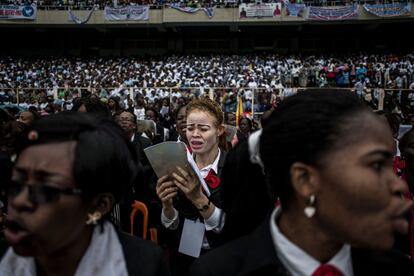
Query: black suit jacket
[
  {"x": 255, "y": 254},
  {"x": 143, "y": 257},
  {"x": 140, "y": 144},
  {"x": 187, "y": 210}
]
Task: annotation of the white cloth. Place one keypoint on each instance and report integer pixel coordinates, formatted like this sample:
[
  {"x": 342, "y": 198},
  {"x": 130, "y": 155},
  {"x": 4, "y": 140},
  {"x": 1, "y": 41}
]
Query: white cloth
[
  {"x": 103, "y": 257},
  {"x": 140, "y": 113},
  {"x": 297, "y": 261},
  {"x": 254, "y": 148}
]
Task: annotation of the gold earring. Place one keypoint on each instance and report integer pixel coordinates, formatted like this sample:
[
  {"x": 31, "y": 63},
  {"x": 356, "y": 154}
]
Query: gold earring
[{"x": 93, "y": 218}]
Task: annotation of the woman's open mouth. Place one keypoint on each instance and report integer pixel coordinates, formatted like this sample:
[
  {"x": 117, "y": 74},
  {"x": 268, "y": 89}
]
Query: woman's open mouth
[
  {"x": 14, "y": 232},
  {"x": 196, "y": 145}
]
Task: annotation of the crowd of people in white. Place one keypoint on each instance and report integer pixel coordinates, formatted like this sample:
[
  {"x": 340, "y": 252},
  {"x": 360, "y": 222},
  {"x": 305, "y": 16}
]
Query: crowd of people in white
[{"x": 176, "y": 76}]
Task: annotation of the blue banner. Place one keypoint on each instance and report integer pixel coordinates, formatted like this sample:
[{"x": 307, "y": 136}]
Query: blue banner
[
  {"x": 208, "y": 11},
  {"x": 389, "y": 10},
  {"x": 8, "y": 12},
  {"x": 334, "y": 13},
  {"x": 295, "y": 10}
]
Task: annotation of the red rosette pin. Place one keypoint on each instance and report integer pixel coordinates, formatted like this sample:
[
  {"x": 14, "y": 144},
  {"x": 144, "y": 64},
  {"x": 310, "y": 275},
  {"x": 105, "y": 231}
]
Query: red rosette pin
[
  {"x": 33, "y": 135},
  {"x": 212, "y": 180}
]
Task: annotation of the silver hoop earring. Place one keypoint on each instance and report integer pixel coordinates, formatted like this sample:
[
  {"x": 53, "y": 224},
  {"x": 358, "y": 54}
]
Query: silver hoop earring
[{"x": 310, "y": 210}]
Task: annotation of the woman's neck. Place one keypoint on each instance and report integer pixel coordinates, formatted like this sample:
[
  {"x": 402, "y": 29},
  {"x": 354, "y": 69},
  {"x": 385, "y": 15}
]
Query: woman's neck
[
  {"x": 205, "y": 159},
  {"x": 308, "y": 236},
  {"x": 66, "y": 261}
]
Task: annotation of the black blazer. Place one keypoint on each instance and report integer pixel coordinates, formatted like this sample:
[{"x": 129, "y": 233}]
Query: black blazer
[
  {"x": 187, "y": 210},
  {"x": 255, "y": 254},
  {"x": 143, "y": 258}
]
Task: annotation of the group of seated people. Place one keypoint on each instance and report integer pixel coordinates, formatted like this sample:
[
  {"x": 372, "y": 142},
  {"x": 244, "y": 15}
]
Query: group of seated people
[
  {"x": 264, "y": 71},
  {"x": 312, "y": 192}
]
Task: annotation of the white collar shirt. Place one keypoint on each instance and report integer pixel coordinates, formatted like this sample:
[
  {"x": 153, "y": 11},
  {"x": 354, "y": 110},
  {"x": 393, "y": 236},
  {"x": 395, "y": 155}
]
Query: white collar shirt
[
  {"x": 297, "y": 261},
  {"x": 214, "y": 166}
]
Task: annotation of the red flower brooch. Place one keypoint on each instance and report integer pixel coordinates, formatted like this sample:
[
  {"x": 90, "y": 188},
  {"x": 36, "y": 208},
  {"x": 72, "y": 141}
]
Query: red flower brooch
[
  {"x": 33, "y": 135},
  {"x": 212, "y": 180}
]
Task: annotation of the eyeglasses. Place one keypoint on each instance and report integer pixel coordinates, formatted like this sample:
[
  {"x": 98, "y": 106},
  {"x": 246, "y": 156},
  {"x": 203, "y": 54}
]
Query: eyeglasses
[{"x": 40, "y": 194}]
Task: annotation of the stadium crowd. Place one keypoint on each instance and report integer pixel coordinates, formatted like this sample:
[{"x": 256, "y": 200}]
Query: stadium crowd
[
  {"x": 71, "y": 180},
  {"x": 264, "y": 76}
]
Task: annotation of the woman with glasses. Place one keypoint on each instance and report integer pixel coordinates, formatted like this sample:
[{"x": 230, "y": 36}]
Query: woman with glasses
[
  {"x": 70, "y": 171},
  {"x": 329, "y": 159}
]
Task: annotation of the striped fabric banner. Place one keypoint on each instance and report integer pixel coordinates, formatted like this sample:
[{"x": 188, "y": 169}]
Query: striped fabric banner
[{"x": 208, "y": 11}]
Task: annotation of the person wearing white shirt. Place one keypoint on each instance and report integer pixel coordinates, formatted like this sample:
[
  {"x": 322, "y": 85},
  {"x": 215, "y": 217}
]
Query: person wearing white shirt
[
  {"x": 340, "y": 202},
  {"x": 193, "y": 202}
]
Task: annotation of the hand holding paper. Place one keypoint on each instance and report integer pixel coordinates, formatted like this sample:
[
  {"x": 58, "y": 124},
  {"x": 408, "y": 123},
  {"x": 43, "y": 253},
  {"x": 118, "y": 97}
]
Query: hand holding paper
[
  {"x": 188, "y": 183},
  {"x": 166, "y": 191}
]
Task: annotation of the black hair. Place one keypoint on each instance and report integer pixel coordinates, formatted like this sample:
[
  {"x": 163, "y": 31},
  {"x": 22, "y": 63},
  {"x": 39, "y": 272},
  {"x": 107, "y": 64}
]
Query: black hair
[
  {"x": 406, "y": 142},
  {"x": 116, "y": 101},
  {"x": 156, "y": 114},
  {"x": 393, "y": 121},
  {"x": 104, "y": 160},
  {"x": 36, "y": 115},
  {"x": 118, "y": 113},
  {"x": 249, "y": 122},
  {"x": 226, "y": 116},
  {"x": 304, "y": 128},
  {"x": 5, "y": 116},
  {"x": 178, "y": 111},
  {"x": 92, "y": 105},
  {"x": 244, "y": 193}
]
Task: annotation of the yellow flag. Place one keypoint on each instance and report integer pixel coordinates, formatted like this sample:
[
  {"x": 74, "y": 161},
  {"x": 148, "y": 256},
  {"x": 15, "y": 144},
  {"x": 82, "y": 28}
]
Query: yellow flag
[{"x": 239, "y": 110}]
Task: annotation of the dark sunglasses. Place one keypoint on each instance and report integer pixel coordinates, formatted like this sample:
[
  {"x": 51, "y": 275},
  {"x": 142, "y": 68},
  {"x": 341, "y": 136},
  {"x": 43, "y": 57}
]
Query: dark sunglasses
[{"x": 40, "y": 194}]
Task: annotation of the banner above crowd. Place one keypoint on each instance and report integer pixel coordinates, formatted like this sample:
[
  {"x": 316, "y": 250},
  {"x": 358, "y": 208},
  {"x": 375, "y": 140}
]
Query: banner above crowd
[
  {"x": 333, "y": 13},
  {"x": 10, "y": 12},
  {"x": 260, "y": 10},
  {"x": 78, "y": 20},
  {"x": 135, "y": 13},
  {"x": 208, "y": 11},
  {"x": 389, "y": 10},
  {"x": 295, "y": 10}
]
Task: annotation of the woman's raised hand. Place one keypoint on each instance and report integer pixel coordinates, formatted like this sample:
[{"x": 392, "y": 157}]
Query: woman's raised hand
[
  {"x": 166, "y": 191},
  {"x": 188, "y": 183}
]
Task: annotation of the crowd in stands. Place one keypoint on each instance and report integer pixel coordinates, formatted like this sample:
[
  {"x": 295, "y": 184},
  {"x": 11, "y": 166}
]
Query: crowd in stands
[
  {"x": 76, "y": 174},
  {"x": 101, "y": 4},
  {"x": 263, "y": 76}
]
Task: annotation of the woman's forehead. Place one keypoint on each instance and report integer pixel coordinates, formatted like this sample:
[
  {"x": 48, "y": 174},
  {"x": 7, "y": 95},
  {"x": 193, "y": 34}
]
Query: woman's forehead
[
  {"x": 45, "y": 153},
  {"x": 368, "y": 132},
  {"x": 198, "y": 116},
  {"x": 53, "y": 159}
]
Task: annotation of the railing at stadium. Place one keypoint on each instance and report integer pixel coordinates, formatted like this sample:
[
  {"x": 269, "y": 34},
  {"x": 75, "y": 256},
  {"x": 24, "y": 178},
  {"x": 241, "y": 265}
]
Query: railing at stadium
[{"x": 380, "y": 98}]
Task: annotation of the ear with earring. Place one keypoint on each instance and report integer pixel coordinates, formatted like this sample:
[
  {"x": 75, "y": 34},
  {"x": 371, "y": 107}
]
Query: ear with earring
[
  {"x": 310, "y": 210},
  {"x": 94, "y": 218}
]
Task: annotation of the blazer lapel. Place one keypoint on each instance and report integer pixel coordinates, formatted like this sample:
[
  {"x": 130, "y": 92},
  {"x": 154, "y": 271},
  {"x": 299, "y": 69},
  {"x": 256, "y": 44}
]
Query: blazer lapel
[{"x": 261, "y": 258}]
